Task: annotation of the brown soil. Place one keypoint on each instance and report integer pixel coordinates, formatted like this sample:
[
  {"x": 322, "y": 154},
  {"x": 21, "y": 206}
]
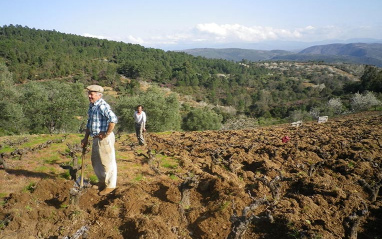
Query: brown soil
[{"x": 323, "y": 183}]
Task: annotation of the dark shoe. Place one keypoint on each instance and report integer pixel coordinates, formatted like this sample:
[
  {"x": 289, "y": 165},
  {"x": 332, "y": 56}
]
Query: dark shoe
[
  {"x": 100, "y": 186},
  {"x": 106, "y": 191}
]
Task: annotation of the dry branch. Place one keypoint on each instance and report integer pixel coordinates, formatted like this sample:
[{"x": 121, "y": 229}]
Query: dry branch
[
  {"x": 241, "y": 223},
  {"x": 374, "y": 190},
  {"x": 273, "y": 185},
  {"x": 352, "y": 222},
  {"x": 82, "y": 232},
  {"x": 185, "y": 189}
]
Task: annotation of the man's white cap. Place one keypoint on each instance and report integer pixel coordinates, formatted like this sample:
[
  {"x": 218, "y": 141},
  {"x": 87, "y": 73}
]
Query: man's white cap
[{"x": 95, "y": 88}]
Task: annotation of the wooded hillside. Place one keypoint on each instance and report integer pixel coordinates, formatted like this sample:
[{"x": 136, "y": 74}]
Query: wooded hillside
[{"x": 49, "y": 69}]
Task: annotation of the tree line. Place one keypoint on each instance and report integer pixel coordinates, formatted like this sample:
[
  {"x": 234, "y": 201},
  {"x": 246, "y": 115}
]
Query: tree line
[{"x": 61, "y": 107}]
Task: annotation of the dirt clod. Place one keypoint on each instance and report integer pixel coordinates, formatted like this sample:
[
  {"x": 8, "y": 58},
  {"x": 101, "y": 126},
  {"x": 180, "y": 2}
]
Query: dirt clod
[{"x": 324, "y": 182}]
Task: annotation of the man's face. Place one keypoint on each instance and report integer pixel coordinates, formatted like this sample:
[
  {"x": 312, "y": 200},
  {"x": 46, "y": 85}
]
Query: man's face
[
  {"x": 139, "y": 109},
  {"x": 93, "y": 96}
]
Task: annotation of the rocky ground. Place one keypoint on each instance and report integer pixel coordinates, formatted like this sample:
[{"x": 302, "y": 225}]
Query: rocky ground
[{"x": 322, "y": 181}]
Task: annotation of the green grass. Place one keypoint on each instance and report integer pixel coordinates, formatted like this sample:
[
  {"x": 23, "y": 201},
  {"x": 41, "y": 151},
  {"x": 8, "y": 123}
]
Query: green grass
[
  {"x": 28, "y": 207},
  {"x": 224, "y": 205},
  {"x": 140, "y": 151},
  {"x": 75, "y": 213},
  {"x": 293, "y": 230},
  {"x": 121, "y": 155},
  {"x": 173, "y": 177},
  {"x": 45, "y": 169},
  {"x": 6, "y": 149},
  {"x": 168, "y": 162},
  {"x": 53, "y": 159},
  {"x": 33, "y": 141},
  {"x": 163, "y": 133},
  {"x": 38, "y": 139},
  {"x": 93, "y": 179},
  {"x": 138, "y": 178},
  {"x": 2, "y": 224},
  {"x": 30, "y": 187},
  {"x": 2, "y": 195},
  {"x": 65, "y": 175}
]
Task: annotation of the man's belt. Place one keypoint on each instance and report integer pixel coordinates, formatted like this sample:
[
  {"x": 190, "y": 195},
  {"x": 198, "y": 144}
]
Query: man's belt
[{"x": 97, "y": 136}]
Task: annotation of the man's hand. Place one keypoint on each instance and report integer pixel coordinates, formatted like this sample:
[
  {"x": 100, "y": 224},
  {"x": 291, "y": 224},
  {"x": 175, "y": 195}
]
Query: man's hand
[
  {"x": 84, "y": 142},
  {"x": 102, "y": 135}
]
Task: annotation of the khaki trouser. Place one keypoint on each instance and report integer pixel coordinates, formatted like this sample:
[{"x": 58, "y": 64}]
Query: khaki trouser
[
  {"x": 103, "y": 160},
  {"x": 139, "y": 133}
]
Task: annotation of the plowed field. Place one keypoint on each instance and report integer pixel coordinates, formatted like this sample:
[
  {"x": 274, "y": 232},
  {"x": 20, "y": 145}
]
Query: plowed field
[{"x": 322, "y": 182}]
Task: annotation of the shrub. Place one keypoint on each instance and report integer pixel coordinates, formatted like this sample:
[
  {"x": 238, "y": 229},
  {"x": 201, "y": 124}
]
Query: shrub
[
  {"x": 315, "y": 112},
  {"x": 335, "y": 106},
  {"x": 297, "y": 115},
  {"x": 240, "y": 122},
  {"x": 202, "y": 119},
  {"x": 363, "y": 102},
  {"x": 162, "y": 111}
]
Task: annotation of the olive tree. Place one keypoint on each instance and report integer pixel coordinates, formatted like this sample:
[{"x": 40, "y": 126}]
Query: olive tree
[
  {"x": 12, "y": 119},
  {"x": 202, "y": 119},
  {"x": 162, "y": 110},
  {"x": 361, "y": 102},
  {"x": 335, "y": 106},
  {"x": 53, "y": 107}
]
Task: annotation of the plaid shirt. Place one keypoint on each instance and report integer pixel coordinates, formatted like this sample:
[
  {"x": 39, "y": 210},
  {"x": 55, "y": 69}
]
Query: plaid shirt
[{"x": 100, "y": 115}]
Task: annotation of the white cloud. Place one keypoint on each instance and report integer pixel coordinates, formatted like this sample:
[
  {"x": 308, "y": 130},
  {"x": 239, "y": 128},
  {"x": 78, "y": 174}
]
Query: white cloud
[
  {"x": 95, "y": 36},
  {"x": 236, "y": 32},
  {"x": 129, "y": 38},
  {"x": 212, "y": 28},
  {"x": 210, "y": 34},
  {"x": 135, "y": 40}
]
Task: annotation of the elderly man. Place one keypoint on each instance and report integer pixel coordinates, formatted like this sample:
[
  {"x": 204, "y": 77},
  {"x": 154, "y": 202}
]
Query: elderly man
[{"x": 100, "y": 126}]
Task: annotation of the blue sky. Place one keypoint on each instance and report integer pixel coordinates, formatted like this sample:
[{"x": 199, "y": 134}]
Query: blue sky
[{"x": 175, "y": 25}]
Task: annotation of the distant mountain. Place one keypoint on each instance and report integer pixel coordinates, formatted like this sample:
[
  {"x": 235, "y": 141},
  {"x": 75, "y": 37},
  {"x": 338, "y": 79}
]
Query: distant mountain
[
  {"x": 352, "y": 49},
  {"x": 361, "y": 53},
  {"x": 293, "y": 46},
  {"x": 358, "y": 53},
  {"x": 236, "y": 54}
]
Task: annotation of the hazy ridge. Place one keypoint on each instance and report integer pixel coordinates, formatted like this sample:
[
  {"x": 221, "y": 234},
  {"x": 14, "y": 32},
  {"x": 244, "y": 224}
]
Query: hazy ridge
[{"x": 359, "y": 53}]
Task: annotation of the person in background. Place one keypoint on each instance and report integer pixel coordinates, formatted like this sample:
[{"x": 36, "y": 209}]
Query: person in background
[
  {"x": 100, "y": 125},
  {"x": 140, "y": 124}
]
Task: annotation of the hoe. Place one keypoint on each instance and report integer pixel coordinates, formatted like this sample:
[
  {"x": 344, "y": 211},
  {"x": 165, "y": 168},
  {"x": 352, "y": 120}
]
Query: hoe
[{"x": 80, "y": 183}]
